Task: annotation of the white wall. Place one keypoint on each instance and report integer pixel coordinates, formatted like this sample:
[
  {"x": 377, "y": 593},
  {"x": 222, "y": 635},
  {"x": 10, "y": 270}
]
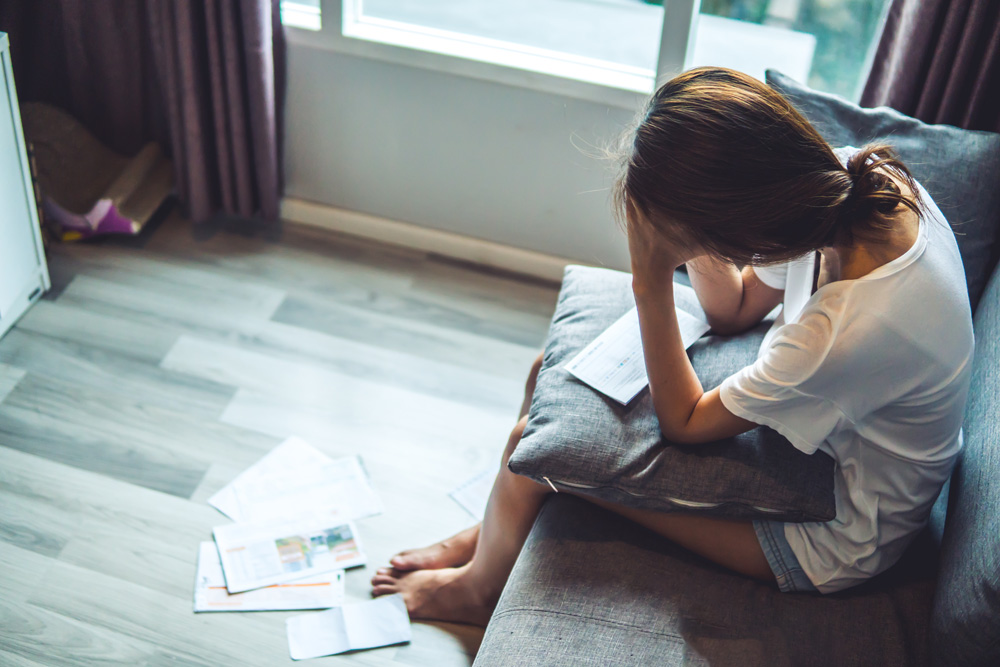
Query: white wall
[{"x": 487, "y": 160}]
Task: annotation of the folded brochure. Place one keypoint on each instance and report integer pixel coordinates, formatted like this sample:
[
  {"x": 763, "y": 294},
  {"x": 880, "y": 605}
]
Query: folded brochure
[
  {"x": 261, "y": 554},
  {"x": 317, "y": 592},
  {"x": 379, "y": 622}
]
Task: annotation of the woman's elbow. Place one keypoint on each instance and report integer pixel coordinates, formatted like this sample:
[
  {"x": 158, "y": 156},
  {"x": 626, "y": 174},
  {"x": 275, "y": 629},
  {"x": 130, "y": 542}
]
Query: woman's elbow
[{"x": 726, "y": 326}]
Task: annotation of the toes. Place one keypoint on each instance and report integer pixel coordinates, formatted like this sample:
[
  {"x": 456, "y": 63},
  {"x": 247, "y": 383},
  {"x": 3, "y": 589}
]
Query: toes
[
  {"x": 385, "y": 570},
  {"x": 383, "y": 579},
  {"x": 404, "y": 562},
  {"x": 383, "y": 590}
]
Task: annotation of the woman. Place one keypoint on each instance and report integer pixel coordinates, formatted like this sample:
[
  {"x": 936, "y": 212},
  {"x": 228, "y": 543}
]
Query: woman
[{"x": 869, "y": 361}]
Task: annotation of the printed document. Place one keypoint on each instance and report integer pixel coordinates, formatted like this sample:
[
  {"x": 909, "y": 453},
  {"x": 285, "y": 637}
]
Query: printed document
[
  {"x": 380, "y": 622},
  {"x": 296, "y": 478},
  {"x": 614, "y": 364},
  {"x": 255, "y": 555},
  {"x": 320, "y": 592}
]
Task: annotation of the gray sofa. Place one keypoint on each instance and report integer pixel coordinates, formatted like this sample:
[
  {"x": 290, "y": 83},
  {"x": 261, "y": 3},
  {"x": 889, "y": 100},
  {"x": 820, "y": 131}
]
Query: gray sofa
[{"x": 590, "y": 588}]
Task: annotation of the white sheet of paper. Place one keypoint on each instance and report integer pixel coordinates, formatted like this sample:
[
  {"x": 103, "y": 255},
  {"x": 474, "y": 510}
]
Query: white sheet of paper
[
  {"x": 473, "y": 493},
  {"x": 380, "y": 622},
  {"x": 255, "y": 555},
  {"x": 296, "y": 478},
  {"x": 320, "y": 592},
  {"x": 613, "y": 363}
]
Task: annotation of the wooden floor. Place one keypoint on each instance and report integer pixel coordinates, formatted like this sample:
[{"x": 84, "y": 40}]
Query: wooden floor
[{"x": 157, "y": 368}]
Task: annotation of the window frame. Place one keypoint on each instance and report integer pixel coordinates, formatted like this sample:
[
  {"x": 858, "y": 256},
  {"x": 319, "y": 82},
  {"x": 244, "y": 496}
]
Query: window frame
[{"x": 488, "y": 60}]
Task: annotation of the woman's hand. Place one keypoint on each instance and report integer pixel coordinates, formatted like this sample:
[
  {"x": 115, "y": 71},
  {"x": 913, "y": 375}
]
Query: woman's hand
[{"x": 654, "y": 257}]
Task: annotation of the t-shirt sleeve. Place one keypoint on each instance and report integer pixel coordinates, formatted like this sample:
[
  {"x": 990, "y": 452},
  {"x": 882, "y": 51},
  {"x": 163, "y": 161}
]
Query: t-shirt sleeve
[
  {"x": 789, "y": 388},
  {"x": 774, "y": 276}
]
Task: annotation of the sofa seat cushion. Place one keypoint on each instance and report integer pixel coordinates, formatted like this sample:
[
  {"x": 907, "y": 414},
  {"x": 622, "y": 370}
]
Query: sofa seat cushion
[
  {"x": 590, "y": 588},
  {"x": 966, "y": 625},
  {"x": 578, "y": 438}
]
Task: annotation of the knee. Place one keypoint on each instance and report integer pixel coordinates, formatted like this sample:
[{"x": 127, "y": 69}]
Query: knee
[
  {"x": 536, "y": 367},
  {"x": 515, "y": 438}
]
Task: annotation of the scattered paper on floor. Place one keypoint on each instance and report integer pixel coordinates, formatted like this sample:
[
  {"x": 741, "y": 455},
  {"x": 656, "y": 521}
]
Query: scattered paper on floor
[
  {"x": 380, "y": 622},
  {"x": 261, "y": 554},
  {"x": 319, "y": 592},
  {"x": 295, "y": 478}
]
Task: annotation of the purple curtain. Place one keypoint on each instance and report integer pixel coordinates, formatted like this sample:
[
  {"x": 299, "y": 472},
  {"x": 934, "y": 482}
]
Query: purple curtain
[
  {"x": 939, "y": 61},
  {"x": 205, "y": 78}
]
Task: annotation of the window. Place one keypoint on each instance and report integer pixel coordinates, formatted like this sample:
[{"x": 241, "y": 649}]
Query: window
[
  {"x": 845, "y": 34},
  {"x": 578, "y": 39},
  {"x": 301, "y": 14},
  {"x": 622, "y": 44}
]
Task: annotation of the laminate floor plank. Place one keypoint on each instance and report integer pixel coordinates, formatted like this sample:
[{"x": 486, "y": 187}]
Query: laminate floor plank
[
  {"x": 448, "y": 449},
  {"x": 304, "y": 259},
  {"x": 32, "y": 636},
  {"x": 103, "y": 371},
  {"x": 194, "y": 310},
  {"x": 447, "y": 314},
  {"x": 139, "y": 555},
  {"x": 404, "y": 369},
  {"x": 9, "y": 659},
  {"x": 217, "y": 476},
  {"x": 492, "y": 295},
  {"x": 21, "y": 572},
  {"x": 112, "y": 604},
  {"x": 121, "y": 436},
  {"x": 356, "y": 401},
  {"x": 121, "y": 335},
  {"x": 425, "y": 337},
  {"x": 9, "y": 377},
  {"x": 177, "y": 278},
  {"x": 118, "y": 528},
  {"x": 35, "y": 526}
]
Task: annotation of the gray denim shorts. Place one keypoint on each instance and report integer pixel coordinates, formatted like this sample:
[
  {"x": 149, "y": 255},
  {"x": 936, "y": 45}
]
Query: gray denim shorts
[{"x": 784, "y": 564}]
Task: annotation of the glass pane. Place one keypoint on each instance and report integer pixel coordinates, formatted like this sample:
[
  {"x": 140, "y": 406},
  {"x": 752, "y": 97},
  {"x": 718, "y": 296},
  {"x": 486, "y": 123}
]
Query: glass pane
[
  {"x": 824, "y": 43},
  {"x": 622, "y": 32},
  {"x": 301, "y": 14}
]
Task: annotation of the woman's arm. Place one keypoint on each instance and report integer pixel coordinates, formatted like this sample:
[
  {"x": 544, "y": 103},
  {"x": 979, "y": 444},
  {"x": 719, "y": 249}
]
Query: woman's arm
[
  {"x": 687, "y": 414},
  {"x": 733, "y": 301}
]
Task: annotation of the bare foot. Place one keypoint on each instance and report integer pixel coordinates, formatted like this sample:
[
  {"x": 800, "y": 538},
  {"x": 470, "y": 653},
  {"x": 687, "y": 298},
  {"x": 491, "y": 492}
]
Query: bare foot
[
  {"x": 438, "y": 595},
  {"x": 455, "y": 551}
]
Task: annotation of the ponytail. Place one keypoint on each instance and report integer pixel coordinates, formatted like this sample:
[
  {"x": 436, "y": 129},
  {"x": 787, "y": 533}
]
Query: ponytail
[{"x": 867, "y": 206}]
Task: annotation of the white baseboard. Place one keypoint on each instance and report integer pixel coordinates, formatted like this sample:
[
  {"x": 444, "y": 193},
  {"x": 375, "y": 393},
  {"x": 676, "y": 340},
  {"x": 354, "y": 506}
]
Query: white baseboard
[{"x": 466, "y": 248}]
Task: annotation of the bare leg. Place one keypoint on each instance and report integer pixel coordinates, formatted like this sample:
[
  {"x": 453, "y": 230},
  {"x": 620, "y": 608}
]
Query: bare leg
[
  {"x": 459, "y": 548},
  {"x": 529, "y": 386},
  {"x": 467, "y": 594},
  {"x": 730, "y": 543}
]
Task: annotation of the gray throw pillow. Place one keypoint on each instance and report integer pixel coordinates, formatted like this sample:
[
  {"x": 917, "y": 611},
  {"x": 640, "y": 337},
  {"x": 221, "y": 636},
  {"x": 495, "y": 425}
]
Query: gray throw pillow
[
  {"x": 959, "y": 168},
  {"x": 585, "y": 442}
]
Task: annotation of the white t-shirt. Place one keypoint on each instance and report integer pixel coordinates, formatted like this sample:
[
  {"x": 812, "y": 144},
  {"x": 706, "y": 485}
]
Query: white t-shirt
[{"x": 875, "y": 372}]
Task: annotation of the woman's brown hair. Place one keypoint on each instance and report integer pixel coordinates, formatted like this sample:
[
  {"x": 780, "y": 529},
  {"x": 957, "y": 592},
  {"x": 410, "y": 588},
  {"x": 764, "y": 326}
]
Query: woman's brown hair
[{"x": 729, "y": 162}]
